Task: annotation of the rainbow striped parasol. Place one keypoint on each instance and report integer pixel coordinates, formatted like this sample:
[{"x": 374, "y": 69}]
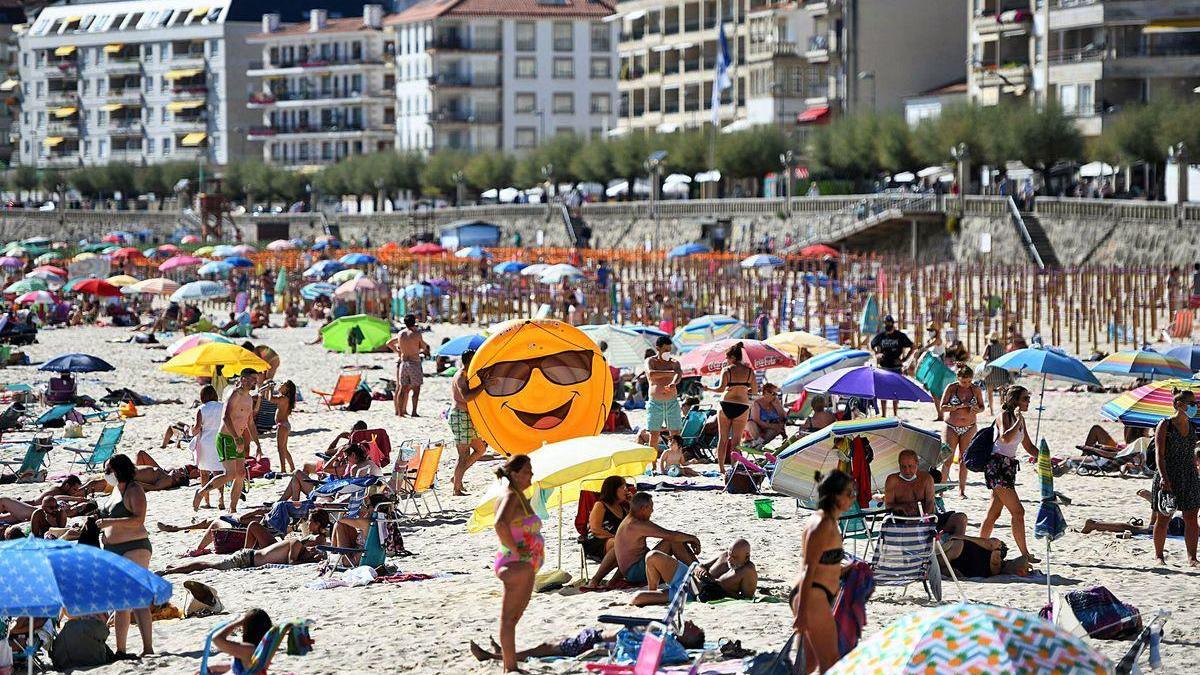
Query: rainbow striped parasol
[
  {"x": 1142, "y": 363},
  {"x": 1148, "y": 404}
]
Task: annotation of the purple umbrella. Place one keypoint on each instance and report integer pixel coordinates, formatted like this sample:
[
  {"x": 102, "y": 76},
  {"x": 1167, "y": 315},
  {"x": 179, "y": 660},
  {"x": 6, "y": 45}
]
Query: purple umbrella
[
  {"x": 11, "y": 262},
  {"x": 869, "y": 382}
]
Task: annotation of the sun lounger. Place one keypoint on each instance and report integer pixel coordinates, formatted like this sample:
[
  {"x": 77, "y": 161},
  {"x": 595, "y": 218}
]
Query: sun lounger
[
  {"x": 103, "y": 449},
  {"x": 54, "y": 415},
  {"x": 1181, "y": 326},
  {"x": 295, "y": 633},
  {"x": 905, "y": 553},
  {"x": 343, "y": 390},
  {"x": 33, "y": 464}
]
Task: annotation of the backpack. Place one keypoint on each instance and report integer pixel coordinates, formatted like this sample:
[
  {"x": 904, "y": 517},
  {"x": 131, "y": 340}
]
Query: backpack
[
  {"x": 979, "y": 451},
  {"x": 360, "y": 400},
  {"x": 1101, "y": 614}
]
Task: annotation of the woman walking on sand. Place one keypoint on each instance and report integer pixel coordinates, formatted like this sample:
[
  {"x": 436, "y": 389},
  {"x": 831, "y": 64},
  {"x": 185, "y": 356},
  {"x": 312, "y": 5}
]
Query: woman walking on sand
[
  {"x": 1001, "y": 471},
  {"x": 521, "y": 552},
  {"x": 1176, "y": 486}
]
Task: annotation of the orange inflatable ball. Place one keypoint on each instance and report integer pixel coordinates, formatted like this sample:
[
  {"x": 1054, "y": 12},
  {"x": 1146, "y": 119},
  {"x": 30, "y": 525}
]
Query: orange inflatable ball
[{"x": 542, "y": 381}]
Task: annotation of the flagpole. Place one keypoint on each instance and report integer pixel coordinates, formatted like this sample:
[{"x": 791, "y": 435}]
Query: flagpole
[{"x": 716, "y": 98}]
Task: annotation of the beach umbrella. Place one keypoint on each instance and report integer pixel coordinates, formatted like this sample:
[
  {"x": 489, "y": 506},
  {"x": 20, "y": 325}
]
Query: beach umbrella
[
  {"x": 708, "y": 328},
  {"x": 316, "y": 290},
  {"x": 508, "y": 267},
  {"x": 197, "y": 291},
  {"x": 155, "y": 254},
  {"x": 1142, "y": 363},
  {"x": 16, "y": 251},
  {"x": 98, "y": 247},
  {"x": 760, "y": 260},
  {"x": 244, "y": 249},
  {"x": 155, "y": 286},
  {"x": 96, "y": 287},
  {"x": 353, "y": 287},
  {"x": 869, "y": 382},
  {"x": 1050, "y": 363},
  {"x": 972, "y": 638},
  {"x": 685, "y": 250},
  {"x": 86, "y": 255},
  {"x": 52, "y": 280},
  {"x": 472, "y": 252},
  {"x": 819, "y": 251},
  {"x": 534, "y": 270},
  {"x": 47, "y": 258},
  {"x": 204, "y": 251},
  {"x": 239, "y": 261},
  {"x": 37, "y": 298},
  {"x": 168, "y": 250},
  {"x": 280, "y": 245},
  {"x": 793, "y": 341},
  {"x": 202, "y": 360},
  {"x": 44, "y": 577},
  {"x": 460, "y": 344},
  {"x": 37, "y": 241},
  {"x": 1189, "y": 355},
  {"x": 109, "y": 250},
  {"x": 122, "y": 280},
  {"x": 52, "y": 269},
  {"x": 796, "y": 466},
  {"x": 1149, "y": 404},
  {"x": 180, "y": 262},
  {"x": 127, "y": 253},
  {"x": 420, "y": 291},
  {"x": 281, "y": 281},
  {"x": 821, "y": 365},
  {"x": 221, "y": 251},
  {"x": 189, "y": 239},
  {"x": 371, "y": 333},
  {"x": 327, "y": 244},
  {"x": 194, "y": 340},
  {"x": 556, "y": 273},
  {"x": 26, "y": 285},
  {"x": 651, "y": 331},
  {"x": 626, "y": 348},
  {"x": 345, "y": 275},
  {"x": 427, "y": 248},
  {"x": 76, "y": 363},
  {"x": 116, "y": 237},
  {"x": 1050, "y": 522},
  {"x": 358, "y": 259},
  {"x": 709, "y": 359},
  {"x": 323, "y": 268},
  {"x": 12, "y": 263},
  {"x": 215, "y": 268}
]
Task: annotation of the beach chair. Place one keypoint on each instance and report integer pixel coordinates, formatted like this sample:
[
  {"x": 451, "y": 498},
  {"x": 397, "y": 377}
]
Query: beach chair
[
  {"x": 98, "y": 454},
  {"x": 424, "y": 483},
  {"x": 377, "y": 442},
  {"x": 677, "y": 595},
  {"x": 649, "y": 657},
  {"x": 345, "y": 387},
  {"x": 1181, "y": 325},
  {"x": 693, "y": 435},
  {"x": 905, "y": 554},
  {"x": 60, "y": 390},
  {"x": 32, "y": 464},
  {"x": 370, "y": 555},
  {"x": 264, "y": 419},
  {"x": 55, "y": 416},
  {"x": 408, "y": 460},
  {"x": 295, "y": 633}
]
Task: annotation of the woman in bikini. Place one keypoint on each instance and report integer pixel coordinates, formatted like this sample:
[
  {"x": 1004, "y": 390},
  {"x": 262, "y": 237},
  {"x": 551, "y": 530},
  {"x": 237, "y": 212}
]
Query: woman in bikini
[
  {"x": 603, "y": 520},
  {"x": 816, "y": 590},
  {"x": 961, "y": 402},
  {"x": 285, "y": 401},
  {"x": 521, "y": 552},
  {"x": 121, "y": 519},
  {"x": 738, "y": 386}
]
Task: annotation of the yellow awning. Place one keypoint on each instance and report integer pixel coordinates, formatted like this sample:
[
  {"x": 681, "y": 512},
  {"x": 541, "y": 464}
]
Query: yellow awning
[
  {"x": 1172, "y": 26},
  {"x": 176, "y": 106},
  {"x": 52, "y": 141},
  {"x": 112, "y": 107},
  {"x": 183, "y": 73},
  {"x": 113, "y": 48},
  {"x": 9, "y": 84},
  {"x": 199, "y": 11},
  {"x": 192, "y": 140},
  {"x": 74, "y": 19},
  {"x": 66, "y": 111},
  {"x": 65, "y": 51}
]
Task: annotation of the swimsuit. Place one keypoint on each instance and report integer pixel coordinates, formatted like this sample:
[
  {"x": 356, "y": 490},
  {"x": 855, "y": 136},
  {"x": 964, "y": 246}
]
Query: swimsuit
[
  {"x": 115, "y": 508},
  {"x": 955, "y": 400},
  {"x": 636, "y": 574},
  {"x": 733, "y": 409},
  {"x": 227, "y": 448},
  {"x": 531, "y": 548}
]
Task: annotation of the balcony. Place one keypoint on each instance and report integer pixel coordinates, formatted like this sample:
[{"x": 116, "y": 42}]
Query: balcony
[
  {"x": 259, "y": 133},
  {"x": 66, "y": 128},
  {"x": 62, "y": 97},
  {"x": 67, "y": 158},
  {"x": 125, "y": 127},
  {"x": 467, "y": 116},
  {"x": 1061, "y": 56},
  {"x": 818, "y": 48},
  {"x": 127, "y": 154},
  {"x": 189, "y": 124},
  {"x": 125, "y": 95},
  {"x": 300, "y": 66},
  {"x": 123, "y": 66},
  {"x": 456, "y": 43},
  {"x": 1010, "y": 22},
  {"x": 458, "y": 80},
  {"x": 184, "y": 92},
  {"x": 1010, "y": 75},
  {"x": 297, "y": 99},
  {"x": 61, "y": 68}
]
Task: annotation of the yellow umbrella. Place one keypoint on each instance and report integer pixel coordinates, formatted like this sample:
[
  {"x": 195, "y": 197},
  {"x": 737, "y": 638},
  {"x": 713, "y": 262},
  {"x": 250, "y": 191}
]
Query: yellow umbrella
[
  {"x": 122, "y": 280},
  {"x": 86, "y": 255},
  {"x": 793, "y": 341},
  {"x": 203, "y": 251},
  {"x": 202, "y": 360}
]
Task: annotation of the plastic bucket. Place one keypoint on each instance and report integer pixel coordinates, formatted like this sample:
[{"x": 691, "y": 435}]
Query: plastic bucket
[{"x": 764, "y": 508}]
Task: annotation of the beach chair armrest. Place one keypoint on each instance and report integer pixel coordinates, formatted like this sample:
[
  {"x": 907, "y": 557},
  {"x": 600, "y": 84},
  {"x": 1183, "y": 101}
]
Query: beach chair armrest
[
  {"x": 341, "y": 550},
  {"x": 626, "y": 621}
]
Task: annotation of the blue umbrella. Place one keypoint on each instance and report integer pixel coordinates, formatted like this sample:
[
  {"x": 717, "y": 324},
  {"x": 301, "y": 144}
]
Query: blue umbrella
[
  {"x": 1188, "y": 354},
  {"x": 314, "y": 291},
  {"x": 818, "y": 366},
  {"x": 239, "y": 261},
  {"x": 420, "y": 290},
  {"x": 508, "y": 267},
  {"x": 472, "y": 252},
  {"x": 214, "y": 268},
  {"x": 460, "y": 344},
  {"x": 76, "y": 363},
  {"x": 762, "y": 260},
  {"x": 648, "y": 330},
  {"x": 684, "y": 250},
  {"x": 358, "y": 259},
  {"x": 1051, "y": 363},
  {"x": 323, "y": 269},
  {"x": 331, "y": 244}
]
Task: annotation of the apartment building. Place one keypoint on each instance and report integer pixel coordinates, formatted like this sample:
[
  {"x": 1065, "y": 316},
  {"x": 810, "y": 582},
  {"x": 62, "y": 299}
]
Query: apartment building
[
  {"x": 142, "y": 81},
  {"x": 502, "y": 74},
  {"x": 12, "y": 24},
  {"x": 1092, "y": 57},
  {"x": 326, "y": 88}
]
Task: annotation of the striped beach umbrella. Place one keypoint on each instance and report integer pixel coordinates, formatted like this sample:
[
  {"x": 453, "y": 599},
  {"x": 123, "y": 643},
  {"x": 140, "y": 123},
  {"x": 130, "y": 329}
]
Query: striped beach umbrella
[
  {"x": 319, "y": 289},
  {"x": 1145, "y": 363},
  {"x": 820, "y": 365},
  {"x": 1147, "y": 405},
  {"x": 708, "y": 328},
  {"x": 37, "y": 298},
  {"x": 345, "y": 275}
]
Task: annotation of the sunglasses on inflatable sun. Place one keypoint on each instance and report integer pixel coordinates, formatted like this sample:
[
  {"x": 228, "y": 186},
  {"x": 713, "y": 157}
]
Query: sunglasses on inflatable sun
[{"x": 564, "y": 368}]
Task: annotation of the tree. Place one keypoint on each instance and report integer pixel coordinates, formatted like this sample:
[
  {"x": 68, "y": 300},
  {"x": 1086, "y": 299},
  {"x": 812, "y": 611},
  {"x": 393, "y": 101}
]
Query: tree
[
  {"x": 751, "y": 153},
  {"x": 118, "y": 177},
  {"x": 23, "y": 178},
  {"x": 52, "y": 180},
  {"x": 490, "y": 170},
  {"x": 84, "y": 180},
  {"x": 594, "y": 162},
  {"x": 687, "y": 152},
  {"x": 1039, "y": 138},
  {"x": 893, "y": 141},
  {"x": 437, "y": 176}
]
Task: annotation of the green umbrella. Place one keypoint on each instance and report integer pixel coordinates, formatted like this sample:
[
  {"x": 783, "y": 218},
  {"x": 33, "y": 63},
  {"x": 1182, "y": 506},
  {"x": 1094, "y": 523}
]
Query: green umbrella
[
  {"x": 97, "y": 247},
  {"x": 369, "y": 332},
  {"x": 47, "y": 258},
  {"x": 26, "y": 285},
  {"x": 71, "y": 283}
]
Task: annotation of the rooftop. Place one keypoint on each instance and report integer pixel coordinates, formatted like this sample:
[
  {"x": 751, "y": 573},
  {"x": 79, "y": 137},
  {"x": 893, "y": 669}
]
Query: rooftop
[
  {"x": 350, "y": 24},
  {"x": 431, "y": 9},
  {"x": 131, "y": 15}
]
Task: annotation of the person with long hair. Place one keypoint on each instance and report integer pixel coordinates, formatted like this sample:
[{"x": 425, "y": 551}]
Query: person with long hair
[
  {"x": 521, "y": 553},
  {"x": 1175, "y": 459},
  {"x": 605, "y": 517},
  {"x": 1000, "y": 474},
  {"x": 816, "y": 589},
  {"x": 255, "y": 624},
  {"x": 284, "y": 399},
  {"x": 737, "y": 386},
  {"x": 962, "y": 401},
  {"x": 121, "y": 519}
]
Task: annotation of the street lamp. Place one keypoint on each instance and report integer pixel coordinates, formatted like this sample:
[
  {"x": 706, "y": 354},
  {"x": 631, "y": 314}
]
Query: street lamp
[
  {"x": 378, "y": 195},
  {"x": 788, "y": 160},
  {"x": 459, "y": 178},
  {"x": 1178, "y": 154},
  {"x": 962, "y": 156},
  {"x": 548, "y": 178},
  {"x": 869, "y": 75},
  {"x": 653, "y": 165}
]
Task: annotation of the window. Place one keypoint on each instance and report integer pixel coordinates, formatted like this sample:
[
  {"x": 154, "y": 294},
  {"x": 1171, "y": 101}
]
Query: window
[
  {"x": 564, "y": 103},
  {"x": 1087, "y": 101},
  {"x": 149, "y": 83},
  {"x": 166, "y": 145},
  {"x": 85, "y": 87},
  {"x": 601, "y": 104},
  {"x": 525, "y": 102},
  {"x": 563, "y": 37},
  {"x": 601, "y": 68},
  {"x": 526, "y": 36},
  {"x": 564, "y": 68},
  {"x": 601, "y": 37},
  {"x": 164, "y": 84},
  {"x": 150, "y": 146},
  {"x": 526, "y": 68},
  {"x": 1066, "y": 98},
  {"x": 525, "y": 137},
  {"x": 214, "y": 47},
  {"x": 103, "y": 149},
  {"x": 563, "y": 131},
  {"x": 165, "y": 113}
]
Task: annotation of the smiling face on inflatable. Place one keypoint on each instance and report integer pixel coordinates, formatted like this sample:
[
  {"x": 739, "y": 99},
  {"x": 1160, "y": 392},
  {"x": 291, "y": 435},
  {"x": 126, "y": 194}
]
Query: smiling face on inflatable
[{"x": 542, "y": 381}]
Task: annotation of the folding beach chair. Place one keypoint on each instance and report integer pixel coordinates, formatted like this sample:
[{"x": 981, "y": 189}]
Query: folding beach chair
[
  {"x": 106, "y": 445},
  {"x": 33, "y": 464},
  {"x": 55, "y": 416},
  {"x": 377, "y": 442},
  {"x": 370, "y": 555},
  {"x": 424, "y": 483},
  {"x": 343, "y": 390},
  {"x": 693, "y": 434},
  {"x": 650, "y": 655},
  {"x": 60, "y": 390},
  {"x": 295, "y": 633},
  {"x": 408, "y": 460},
  {"x": 264, "y": 419},
  {"x": 905, "y": 554},
  {"x": 1181, "y": 325}
]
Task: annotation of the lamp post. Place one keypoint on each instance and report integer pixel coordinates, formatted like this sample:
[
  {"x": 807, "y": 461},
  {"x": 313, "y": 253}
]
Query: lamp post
[
  {"x": 962, "y": 156},
  {"x": 653, "y": 165},
  {"x": 548, "y": 178},
  {"x": 378, "y": 195},
  {"x": 869, "y": 75},
  {"x": 459, "y": 178},
  {"x": 788, "y": 160},
  {"x": 1178, "y": 154}
]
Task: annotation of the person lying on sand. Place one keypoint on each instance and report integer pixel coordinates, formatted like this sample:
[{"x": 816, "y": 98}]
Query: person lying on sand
[
  {"x": 1134, "y": 526},
  {"x": 285, "y": 552},
  {"x": 729, "y": 575},
  {"x": 641, "y": 564},
  {"x": 976, "y": 557},
  {"x": 151, "y": 478},
  {"x": 692, "y": 637},
  {"x": 18, "y": 511}
]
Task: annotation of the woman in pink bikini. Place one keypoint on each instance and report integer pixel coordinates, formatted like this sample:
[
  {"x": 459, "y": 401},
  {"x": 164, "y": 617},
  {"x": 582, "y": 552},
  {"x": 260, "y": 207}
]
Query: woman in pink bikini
[{"x": 521, "y": 552}]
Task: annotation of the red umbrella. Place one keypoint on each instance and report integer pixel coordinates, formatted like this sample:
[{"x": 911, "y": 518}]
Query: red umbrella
[
  {"x": 169, "y": 248},
  {"x": 710, "y": 358},
  {"x": 127, "y": 252},
  {"x": 57, "y": 271},
  {"x": 98, "y": 287},
  {"x": 819, "y": 251},
  {"x": 112, "y": 238},
  {"x": 428, "y": 248}
]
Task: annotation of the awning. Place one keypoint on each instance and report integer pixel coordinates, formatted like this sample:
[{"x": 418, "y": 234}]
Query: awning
[
  {"x": 113, "y": 48},
  {"x": 9, "y": 84},
  {"x": 65, "y": 111},
  {"x": 192, "y": 140},
  {"x": 814, "y": 114},
  {"x": 1172, "y": 26},
  {"x": 52, "y": 141},
  {"x": 176, "y": 106},
  {"x": 199, "y": 11},
  {"x": 112, "y": 107},
  {"x": 635, "y": 15},
  {"x": 183, "y": 73},
  {"x": 65, "y": 50}
]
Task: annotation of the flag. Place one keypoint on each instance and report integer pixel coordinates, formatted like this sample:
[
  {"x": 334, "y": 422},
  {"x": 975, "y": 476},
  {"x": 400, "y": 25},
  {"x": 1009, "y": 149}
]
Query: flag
[{"x": 722, "y": 81}]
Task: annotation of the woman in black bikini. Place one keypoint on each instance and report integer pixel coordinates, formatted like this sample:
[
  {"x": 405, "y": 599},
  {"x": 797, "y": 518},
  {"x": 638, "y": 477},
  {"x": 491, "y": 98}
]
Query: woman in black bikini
[
  {"x": 820, "y": 576},
  {"x": 962, "y": 401},
  {"x": 605, "y": 517},
  {"x": 738, "y": 385},
  {"x": 122, "y": 520}
]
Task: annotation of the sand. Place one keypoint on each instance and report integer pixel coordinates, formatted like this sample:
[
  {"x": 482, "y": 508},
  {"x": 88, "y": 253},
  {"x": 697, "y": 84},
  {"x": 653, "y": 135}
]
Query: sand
[{"x": 424, "y": 627}]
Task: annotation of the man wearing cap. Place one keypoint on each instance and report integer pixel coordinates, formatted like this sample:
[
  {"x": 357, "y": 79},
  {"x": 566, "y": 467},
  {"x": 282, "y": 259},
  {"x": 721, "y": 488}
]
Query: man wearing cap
[{"x": 892, "y": 348}]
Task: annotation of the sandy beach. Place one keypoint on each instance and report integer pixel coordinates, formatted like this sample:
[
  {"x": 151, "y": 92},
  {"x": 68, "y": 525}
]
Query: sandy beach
[{"x": 423, "y": 627}]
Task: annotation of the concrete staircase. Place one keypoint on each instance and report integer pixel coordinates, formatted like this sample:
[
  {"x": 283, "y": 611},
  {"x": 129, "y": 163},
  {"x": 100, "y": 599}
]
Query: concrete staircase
[{"x": 1037, "y": 234}]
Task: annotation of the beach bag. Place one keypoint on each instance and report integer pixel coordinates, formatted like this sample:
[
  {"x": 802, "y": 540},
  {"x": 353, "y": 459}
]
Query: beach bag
[
  {"x": 257, "y": 467},
  {"x": 1101, "y": 614},
  {"x": 360, "y": 400},
  {"x": 979, "y": 452},
  {"x": 777, "y": 663},
  {"x": 742, "y": 482},
  {"x": 628, "y": 644},
  {"x": 227, "y": 541}
]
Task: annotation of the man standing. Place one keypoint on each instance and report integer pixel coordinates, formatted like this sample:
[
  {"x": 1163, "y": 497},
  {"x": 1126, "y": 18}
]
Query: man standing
[
  {"x": 233, "y": 441},
  {"x": 466, "y": 439},
  {"x": 663, "y": 374},
  {"x": 892, "y": 348},
  {"x": 638, "y": 562},
  {"x": 409, "y": 347}
]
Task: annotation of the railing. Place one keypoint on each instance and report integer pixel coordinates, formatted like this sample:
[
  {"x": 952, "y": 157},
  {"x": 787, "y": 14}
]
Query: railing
[
  {"x": 304, "y": 129},
  {"x": 457, "y": 43},
  {"x": 1060, "y": 56},
  {"x": 1019, "y": 223},
  {"x": 1125, "y": 209},
  {"x": 458, "y": 80},
  {"x": 818, "y": 43},
  {"x": 469, "y": 117},
  {"x": 981, "y": 205},
  {"x": 570, "y": 226},
  {"x": 263, "y": 98},
  {"x": 316, "y": 63},
  {"x": 119, "y": 125}
]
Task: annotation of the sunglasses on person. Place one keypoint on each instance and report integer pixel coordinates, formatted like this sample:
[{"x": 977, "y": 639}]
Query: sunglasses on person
[{"x": 564, "y": 369}]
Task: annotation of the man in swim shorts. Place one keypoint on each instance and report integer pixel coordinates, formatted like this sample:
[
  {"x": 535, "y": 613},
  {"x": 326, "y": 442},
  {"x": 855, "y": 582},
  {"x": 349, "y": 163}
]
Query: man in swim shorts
[
  {"x": 663, "y": 374},
  {"x": 409, "y": 347},
  {"x": 638, "y": 562},
  {"x": 233, "y": 441}
]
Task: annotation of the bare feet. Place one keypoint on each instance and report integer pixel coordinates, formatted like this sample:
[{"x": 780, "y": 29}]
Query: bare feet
[
  {"x": 1088, "y": 526},
  {"x": 196, "y": 500},
  {"x": 480, "y": 653},
  {"x": 163, "y": 527},
  {"x": 459, "y": 492}
]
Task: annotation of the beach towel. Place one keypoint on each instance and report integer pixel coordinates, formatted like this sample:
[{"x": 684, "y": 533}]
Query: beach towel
[
  {"x": 629, "y": 643},
  {"x": 283, "y": 513},
  {"x": 850, "y": 610},
  {"x": 861, "y": 455}
]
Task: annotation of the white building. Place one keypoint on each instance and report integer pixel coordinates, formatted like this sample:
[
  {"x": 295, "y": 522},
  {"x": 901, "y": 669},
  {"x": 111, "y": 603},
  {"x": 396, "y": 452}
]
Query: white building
[
  {"x": 502, "y": 74},
  {"x": 326, "y": 88}
]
